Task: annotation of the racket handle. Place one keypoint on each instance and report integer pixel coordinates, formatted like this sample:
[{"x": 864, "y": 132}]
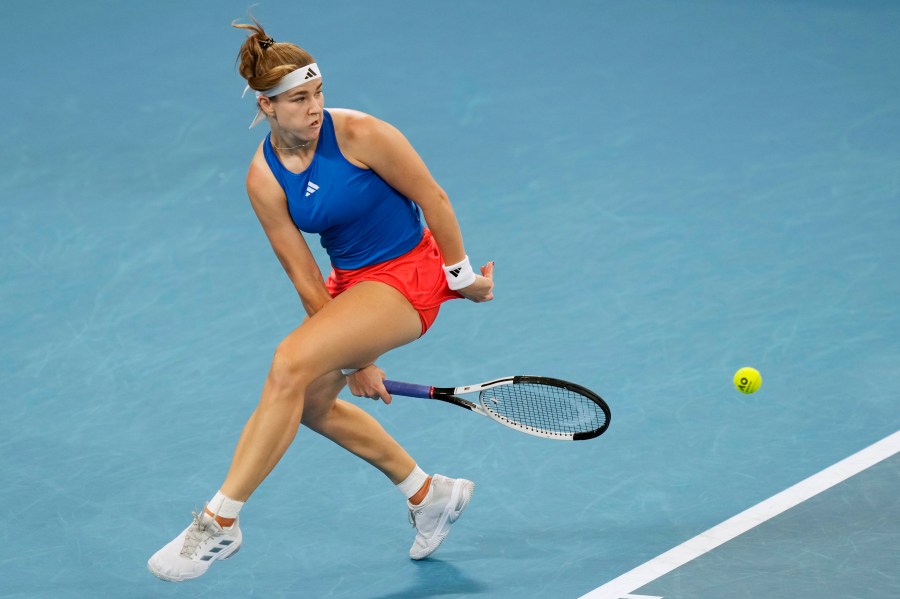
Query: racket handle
[{"x": 407, "y": 389}]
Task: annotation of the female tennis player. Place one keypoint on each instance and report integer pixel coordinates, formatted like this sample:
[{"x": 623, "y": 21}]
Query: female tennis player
[{"x": 359, "y": 184}]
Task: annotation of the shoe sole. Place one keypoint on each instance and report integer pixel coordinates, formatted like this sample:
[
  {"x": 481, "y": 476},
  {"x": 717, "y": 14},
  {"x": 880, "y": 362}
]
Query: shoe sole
[
  {"x": 231, "y": 553},
  {"x": 467, "y": 490}
]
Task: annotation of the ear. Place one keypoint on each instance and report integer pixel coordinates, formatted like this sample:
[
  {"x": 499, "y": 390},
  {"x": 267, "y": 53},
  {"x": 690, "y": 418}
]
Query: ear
[{"x": 265, "y": 103}]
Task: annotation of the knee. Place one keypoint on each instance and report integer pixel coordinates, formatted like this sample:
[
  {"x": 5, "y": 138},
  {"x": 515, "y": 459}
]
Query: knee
[{"x": 289, "y": 372}]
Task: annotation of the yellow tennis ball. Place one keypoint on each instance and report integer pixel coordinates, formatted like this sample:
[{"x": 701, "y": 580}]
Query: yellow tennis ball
[{"x": 747, "y": 380}]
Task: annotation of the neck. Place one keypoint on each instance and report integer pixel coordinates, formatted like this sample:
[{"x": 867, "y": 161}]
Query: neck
[{"x": 290, "y": 144}]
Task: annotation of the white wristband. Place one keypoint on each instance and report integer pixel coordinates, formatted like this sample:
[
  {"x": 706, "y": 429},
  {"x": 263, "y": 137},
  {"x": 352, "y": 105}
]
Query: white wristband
[
  {"x": 459, "y": 275},
  {"x": 348, "y": 371}
]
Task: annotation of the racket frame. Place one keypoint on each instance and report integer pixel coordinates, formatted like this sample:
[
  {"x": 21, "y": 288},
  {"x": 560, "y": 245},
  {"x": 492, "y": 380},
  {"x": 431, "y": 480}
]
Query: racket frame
[{"x": 451, "y": 395}]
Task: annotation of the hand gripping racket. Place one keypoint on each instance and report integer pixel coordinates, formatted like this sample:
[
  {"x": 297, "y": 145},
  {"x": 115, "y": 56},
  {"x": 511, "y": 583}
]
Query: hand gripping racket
[{"x": 535, "y": 405}]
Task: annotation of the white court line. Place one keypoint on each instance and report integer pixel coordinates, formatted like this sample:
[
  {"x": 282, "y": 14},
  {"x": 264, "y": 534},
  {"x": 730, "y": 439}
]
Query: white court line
[{"x": 737, "y": 525}]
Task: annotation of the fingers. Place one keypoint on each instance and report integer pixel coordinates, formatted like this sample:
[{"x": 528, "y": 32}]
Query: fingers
[
  {"x": 367, "y": 382},
  {"x": 377, "y": 394},
  {"x": 478, "y": 296},
  {"x": 487, "y": 271},
  {"x": 483, "y": 288},
  {"x": 384, "y": 395},
  {"x": 370, "y": 385}
]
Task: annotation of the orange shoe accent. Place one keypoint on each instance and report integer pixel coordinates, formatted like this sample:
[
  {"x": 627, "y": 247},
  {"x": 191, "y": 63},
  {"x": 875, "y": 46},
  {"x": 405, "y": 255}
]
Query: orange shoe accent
[
  {"x": 421, "y": 493},
  {"x": 223, "y": 522}
]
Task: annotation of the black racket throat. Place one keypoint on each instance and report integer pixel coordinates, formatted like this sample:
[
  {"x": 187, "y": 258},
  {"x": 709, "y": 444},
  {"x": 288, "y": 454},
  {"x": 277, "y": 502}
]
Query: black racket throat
[{"x": 457, "y": 401}]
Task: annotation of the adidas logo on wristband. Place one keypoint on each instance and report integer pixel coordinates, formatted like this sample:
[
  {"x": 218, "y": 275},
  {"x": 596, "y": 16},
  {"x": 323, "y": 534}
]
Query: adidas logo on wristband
[{"x": 459, "y": 275}]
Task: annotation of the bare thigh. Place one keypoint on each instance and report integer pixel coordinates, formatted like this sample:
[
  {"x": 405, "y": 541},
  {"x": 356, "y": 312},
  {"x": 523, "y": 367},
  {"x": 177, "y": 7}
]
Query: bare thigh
[{"x": 352, "y": 330}]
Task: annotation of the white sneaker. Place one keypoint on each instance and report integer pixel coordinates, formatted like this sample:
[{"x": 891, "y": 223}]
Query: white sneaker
[
  {"x": 190, "y": 554},
  {"x": 445, "y": 501}
]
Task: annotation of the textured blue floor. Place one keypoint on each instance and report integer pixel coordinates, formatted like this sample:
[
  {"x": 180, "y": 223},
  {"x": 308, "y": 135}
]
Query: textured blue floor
[
  {"x": 670, "y": 190},
  {"x": 842, "y": 543}
]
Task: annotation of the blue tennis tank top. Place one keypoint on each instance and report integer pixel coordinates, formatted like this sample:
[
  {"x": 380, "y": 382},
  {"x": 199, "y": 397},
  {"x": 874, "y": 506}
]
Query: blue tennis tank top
[{"x": 360, "y": 219}]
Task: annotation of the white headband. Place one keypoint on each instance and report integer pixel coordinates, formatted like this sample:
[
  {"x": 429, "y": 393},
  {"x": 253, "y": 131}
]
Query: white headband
[{"x": 302, "y": 75}]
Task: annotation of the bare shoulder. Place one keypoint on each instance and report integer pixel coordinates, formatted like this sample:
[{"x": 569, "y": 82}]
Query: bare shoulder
[
  {"x": 261, "y": 183},
  {"x": 360, "y": 135},
  {"x": 350, "y": 123}
]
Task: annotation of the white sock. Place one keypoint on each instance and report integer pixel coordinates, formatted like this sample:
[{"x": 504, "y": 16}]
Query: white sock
[
  {"x": 412, "y": 483},
  {"x": 224, "y": 507}
]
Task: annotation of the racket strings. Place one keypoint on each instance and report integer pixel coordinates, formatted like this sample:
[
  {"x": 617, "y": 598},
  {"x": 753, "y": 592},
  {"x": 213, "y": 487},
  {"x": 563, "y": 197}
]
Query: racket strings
[{"x": 546, "y": 408}]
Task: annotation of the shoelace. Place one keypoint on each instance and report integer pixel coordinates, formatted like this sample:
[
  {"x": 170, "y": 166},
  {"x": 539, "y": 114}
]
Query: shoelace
[
  {"x": 425, "y": 503},
  {"x": 196, "y": 534},
  {"x": 413, "y": 512}
]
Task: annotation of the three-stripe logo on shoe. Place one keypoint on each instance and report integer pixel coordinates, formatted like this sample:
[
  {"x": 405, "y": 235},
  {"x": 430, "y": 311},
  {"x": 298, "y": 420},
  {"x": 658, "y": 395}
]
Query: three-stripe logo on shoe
[
  {"x": 223, "y": 544},
  {"x": 311, "y": 188}
]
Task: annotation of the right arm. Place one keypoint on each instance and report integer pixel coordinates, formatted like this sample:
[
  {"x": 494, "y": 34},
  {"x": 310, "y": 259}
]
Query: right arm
[{"x": 270, "y": 204}]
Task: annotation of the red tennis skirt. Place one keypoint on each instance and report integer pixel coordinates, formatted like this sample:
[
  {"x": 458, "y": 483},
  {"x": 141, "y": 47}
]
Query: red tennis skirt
[{"x": 417, "y": 274}]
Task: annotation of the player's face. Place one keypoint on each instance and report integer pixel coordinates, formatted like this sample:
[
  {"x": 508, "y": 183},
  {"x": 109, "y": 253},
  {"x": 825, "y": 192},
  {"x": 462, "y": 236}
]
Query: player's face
[{"x": 298, "y": 111}]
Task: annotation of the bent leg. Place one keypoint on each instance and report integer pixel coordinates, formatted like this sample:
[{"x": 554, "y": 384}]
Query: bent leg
[
  {"x": 355, "y": 430},
  {"x": 358, "y": 326}
]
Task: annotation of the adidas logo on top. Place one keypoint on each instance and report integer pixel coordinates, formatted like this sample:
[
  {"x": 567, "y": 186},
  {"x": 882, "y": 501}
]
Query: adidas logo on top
[{"x": 311, "y": 188}]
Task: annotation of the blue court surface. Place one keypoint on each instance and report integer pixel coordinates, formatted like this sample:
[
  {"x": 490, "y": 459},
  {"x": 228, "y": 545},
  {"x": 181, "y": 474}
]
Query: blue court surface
[{"x": 670, "y": 189}]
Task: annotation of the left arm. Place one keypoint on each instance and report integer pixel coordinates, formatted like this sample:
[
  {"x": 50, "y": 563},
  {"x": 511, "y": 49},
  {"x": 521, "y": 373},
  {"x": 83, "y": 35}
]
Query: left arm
[{"x": 382, "y": 148}]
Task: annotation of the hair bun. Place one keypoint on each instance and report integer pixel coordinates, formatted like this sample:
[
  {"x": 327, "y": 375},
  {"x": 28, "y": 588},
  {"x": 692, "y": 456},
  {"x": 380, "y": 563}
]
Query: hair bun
[{"x": 260, "y": 64}]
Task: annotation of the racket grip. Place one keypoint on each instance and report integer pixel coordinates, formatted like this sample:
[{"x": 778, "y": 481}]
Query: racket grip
[{"x": 407, "y": 389}]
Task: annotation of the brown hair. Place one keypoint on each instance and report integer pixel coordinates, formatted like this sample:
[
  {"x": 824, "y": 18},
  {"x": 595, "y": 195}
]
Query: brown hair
[{"x": 262, "y": 61}]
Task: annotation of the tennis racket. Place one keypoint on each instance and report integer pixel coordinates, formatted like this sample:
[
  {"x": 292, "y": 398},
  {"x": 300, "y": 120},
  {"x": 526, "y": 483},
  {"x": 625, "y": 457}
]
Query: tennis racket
[{"x": 535, "y": 405}]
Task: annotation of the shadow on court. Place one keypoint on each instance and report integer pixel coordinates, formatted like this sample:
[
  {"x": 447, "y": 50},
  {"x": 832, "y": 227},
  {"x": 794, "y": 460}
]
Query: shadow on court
[{"x": 435, "y": 578}]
